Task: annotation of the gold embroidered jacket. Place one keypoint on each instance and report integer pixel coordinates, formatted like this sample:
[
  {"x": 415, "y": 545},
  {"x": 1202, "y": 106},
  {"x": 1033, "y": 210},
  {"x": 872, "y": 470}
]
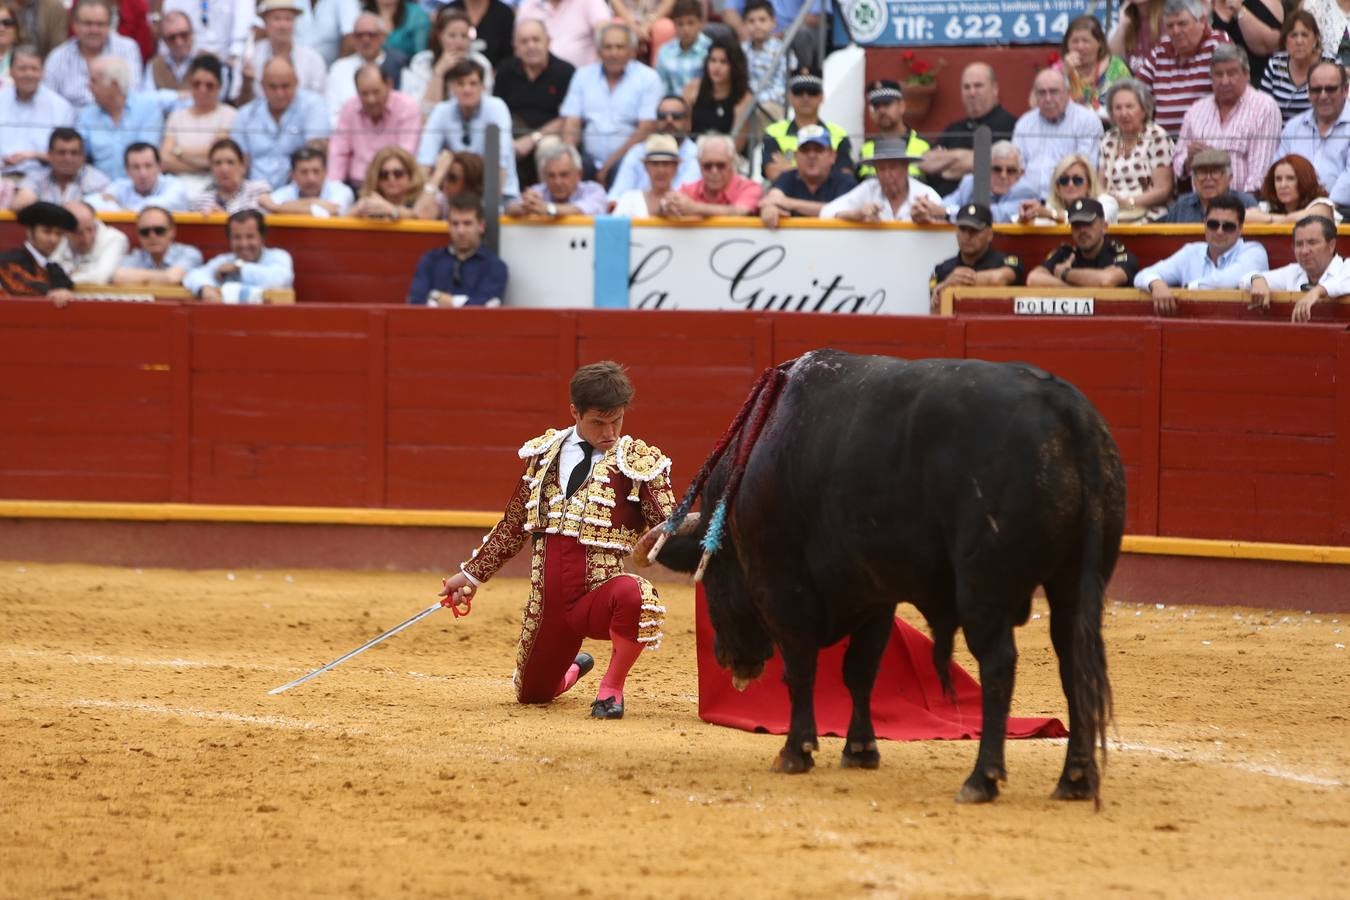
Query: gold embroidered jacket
[{"x": 627, "y": 492}]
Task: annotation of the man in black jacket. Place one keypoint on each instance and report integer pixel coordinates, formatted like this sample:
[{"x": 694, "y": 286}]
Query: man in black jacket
[{"x": 27, "y": 271}]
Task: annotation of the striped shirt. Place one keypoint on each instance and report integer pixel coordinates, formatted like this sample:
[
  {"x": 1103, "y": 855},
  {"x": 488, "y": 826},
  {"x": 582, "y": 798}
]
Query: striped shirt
[
  {"x": 1251, "y": 135},
  {"x": 1178, "y": 83},
  {"x": 1277, "y": 82},
  {"x": 772, "y": 80},
  {"x": 67, "y": 73},
  {"x": 210, "y": 200}
]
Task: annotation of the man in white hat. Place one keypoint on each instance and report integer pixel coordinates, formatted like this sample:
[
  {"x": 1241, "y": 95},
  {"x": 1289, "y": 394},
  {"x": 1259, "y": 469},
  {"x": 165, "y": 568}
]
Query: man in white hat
[
  {"x": 889, "y": 197},
  {"x": 278, "y": 18}
]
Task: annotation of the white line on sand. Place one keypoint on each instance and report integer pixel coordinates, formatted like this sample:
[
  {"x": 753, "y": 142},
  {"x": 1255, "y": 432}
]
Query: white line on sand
[
  {"x": 1210, "y": 758},
  {"x": 214, "y": 715}
]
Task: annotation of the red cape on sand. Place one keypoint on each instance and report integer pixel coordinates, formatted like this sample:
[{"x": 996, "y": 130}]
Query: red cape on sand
[{"x": 907, "y": 702}]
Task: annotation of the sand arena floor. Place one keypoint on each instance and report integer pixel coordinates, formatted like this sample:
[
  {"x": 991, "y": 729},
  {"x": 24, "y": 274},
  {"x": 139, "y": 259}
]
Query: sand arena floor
[{"x": 143, "y": 757}]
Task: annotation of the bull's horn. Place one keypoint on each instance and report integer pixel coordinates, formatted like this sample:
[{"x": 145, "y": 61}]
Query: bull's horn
[
  {"x": 740, "y": 682},
  {"x": 702, "y": 565},
  {"x": 656, "y": 547}
]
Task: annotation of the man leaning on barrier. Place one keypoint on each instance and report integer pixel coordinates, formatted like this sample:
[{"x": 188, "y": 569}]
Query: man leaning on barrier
[
  {"x": 977, "y": 262},
  {"x": 464, "y": 273},
  {"x": 1092, "y": 260},
  {"x": 1218, "y": 262},
  {"x": 1318, "y": 271}
]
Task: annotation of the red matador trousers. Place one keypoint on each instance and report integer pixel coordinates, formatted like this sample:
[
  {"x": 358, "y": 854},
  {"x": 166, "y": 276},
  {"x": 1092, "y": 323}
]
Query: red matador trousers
[{"x": 562, "y": 611}]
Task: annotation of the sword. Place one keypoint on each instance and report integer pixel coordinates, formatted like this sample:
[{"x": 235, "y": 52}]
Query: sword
[{"x": 406, "y": 623}]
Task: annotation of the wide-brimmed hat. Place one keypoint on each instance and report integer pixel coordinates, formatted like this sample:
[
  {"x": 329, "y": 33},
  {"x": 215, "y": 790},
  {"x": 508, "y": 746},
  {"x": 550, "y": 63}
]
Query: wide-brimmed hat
[
  {"x": 889, "y": 148},
  {"x": 662, "y": 146},
  {"x": 267, "y": 6},
  {"x": 49, "y": 214}
]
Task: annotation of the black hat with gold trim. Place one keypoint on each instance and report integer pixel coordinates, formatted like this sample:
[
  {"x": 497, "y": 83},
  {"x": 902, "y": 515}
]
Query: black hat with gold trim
[{"x": 49, "y": 214}]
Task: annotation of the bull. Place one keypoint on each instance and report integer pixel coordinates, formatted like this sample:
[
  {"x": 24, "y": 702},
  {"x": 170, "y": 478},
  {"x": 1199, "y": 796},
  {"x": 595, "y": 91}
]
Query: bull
[{"x": 849, "y": 483}]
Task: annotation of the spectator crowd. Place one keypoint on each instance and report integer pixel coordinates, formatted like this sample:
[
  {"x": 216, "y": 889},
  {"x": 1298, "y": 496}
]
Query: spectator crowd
[{"x": 381, "y": 109}]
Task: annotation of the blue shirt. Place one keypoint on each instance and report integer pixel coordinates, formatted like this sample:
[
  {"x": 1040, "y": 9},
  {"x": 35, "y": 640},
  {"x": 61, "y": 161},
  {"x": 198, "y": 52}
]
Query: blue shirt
[
  {"x": 1006, "y": 208},
  {"x": 273, "y": 269},
  {"x": 269, "y": 143},
  {"x": 1191, "y": 267},
  {"x": 105, "y": 140},
  {"x": 168, "y": 192},
  {"x": 446, "y": 129},
  {"x": 678, "y": 66},
  {"x": 332, "y": 191},
  {"x": 184, "y": 256},
  {"x": 482, "y": 277},
  {"x": 29, "y": 125},
  {"x": 610, "y": 117},
  {"x": 1329, "y": 155},
  {"x": 631, "y": 173}
]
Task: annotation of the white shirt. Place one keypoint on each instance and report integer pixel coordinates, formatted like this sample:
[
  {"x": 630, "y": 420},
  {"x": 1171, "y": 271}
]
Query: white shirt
[
  {"x": 96, "y": 266},
  {"x": 869, "y": 191},
  {"x": 1336, "y": 279},
  {"x": 310, "y": 69},
  {"x": 571, "y": 455}
]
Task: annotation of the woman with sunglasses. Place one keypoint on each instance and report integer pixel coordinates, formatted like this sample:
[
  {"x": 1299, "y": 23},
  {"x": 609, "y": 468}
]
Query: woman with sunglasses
[
  {"x": 1290, "y": 192},
  {"x": 11, "y": 36},
  {"x": 393, "y": 184},
  {"x": 159, "y": 259},
  {"x": 1073, "y": 179},
  {"x": 721, "y": 94},
  {"x": 1286, "y": 76},
  {"x": 190, "y": 133},
  {"x": 1136, "y": 154},
  {"x": 453, "y": 174},
  {"x": 451, "y": 40},
  {"x": 1089, "y": 62}
]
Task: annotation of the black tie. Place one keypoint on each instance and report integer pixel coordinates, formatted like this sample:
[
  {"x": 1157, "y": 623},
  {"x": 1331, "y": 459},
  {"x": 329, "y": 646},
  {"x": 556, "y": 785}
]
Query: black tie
[{"x": 580, "y": 470}]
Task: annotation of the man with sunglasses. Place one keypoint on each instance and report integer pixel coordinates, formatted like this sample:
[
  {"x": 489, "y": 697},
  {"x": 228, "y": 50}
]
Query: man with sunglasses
[
  {"x": 1092, "y": 260},
  {"x": 1321, "y": 135},
  {"x": 1318, "y": 271},
  {"x": 168, "y": 70},
  {"x": 806, "y": 92},
  {"x": 1211, "y": 176},
  {"x": 1006, "y": 186},
  {"x": 722, "y": 191},
  {"x": 30, "y": 112},
  {"x": 886, "y": 107},
  {"x": 672, "y": 118},
  {"x": 1219, "y": 262},
  {"x": 976, "y": 262},
  {"x": 464, "y": 273},
  {"x": 159, "y": 259}
]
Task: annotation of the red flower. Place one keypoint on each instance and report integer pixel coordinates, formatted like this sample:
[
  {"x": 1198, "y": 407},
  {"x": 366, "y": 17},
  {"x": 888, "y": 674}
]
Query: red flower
[
  {"x": 907, "y": 55},
  {"x": 919, "y": 67},
  {"x": 1054, "y": 57}
]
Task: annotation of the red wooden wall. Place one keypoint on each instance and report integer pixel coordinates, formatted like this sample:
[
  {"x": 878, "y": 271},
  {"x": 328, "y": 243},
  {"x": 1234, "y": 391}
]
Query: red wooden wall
[{"x": 1228, "y": 430}]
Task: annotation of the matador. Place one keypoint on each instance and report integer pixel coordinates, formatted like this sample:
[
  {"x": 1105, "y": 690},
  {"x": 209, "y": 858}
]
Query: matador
[{"x": 589, "y": 492}]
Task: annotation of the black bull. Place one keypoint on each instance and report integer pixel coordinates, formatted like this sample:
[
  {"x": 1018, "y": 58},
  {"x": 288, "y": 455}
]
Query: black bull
[{"x": 957, "y": 485}]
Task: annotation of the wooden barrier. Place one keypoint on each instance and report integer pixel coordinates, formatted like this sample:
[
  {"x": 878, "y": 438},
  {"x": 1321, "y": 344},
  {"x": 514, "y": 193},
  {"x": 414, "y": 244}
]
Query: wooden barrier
[
  {"x": 1233, "y": 305},
  {"x": 1229, "y": 430}
]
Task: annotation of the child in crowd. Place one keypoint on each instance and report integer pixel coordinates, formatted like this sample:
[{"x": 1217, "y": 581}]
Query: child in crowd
[
  {"x": 681, "y": 60},
  {"x": 767, "y": 77}
]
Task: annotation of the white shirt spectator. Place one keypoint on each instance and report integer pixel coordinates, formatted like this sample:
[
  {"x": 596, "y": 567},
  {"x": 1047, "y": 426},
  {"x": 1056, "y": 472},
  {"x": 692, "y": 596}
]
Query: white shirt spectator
[
  {"x": 96, "y": 266},
  {"x": 609, "y": 117},
  {"x": 332, "y": 20},
  {"x": 182, "y": 256},
  {"x": 29, "y": 124},
  {"x": 219, "y": 27},
  {"x": 274, "y": 269},
  {"x": 168, "y": 193},
  {"x": 870, "y": 191},
  {"x": 1336, "y": 279},
  {"x": 310, "y": 68},
  {"x": 67, "y": 73},
  {"x": 333, "y": 192}
]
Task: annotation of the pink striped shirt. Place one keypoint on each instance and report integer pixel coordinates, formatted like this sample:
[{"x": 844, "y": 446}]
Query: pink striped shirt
[
  {"x": 358, "y": 137},
  {"x": 1178, "y": 83},
  {"x": 1251, "y": 135}
]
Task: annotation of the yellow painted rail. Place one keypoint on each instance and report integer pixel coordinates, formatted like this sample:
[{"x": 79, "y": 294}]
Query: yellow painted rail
[{"x": 427, "y": 518}]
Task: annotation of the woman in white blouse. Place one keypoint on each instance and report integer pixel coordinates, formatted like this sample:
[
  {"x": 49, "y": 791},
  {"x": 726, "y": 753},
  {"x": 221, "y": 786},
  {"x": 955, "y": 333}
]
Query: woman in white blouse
[{"x": 661, "y": 162}]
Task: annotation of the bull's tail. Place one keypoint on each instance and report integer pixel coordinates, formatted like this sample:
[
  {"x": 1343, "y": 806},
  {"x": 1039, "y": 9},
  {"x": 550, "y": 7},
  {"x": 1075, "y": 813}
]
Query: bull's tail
[{"x": 1092, "y": 686}]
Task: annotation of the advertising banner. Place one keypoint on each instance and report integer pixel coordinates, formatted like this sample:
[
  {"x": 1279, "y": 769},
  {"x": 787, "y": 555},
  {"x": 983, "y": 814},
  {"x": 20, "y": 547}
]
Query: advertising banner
[{"x": 945, "y": 23}]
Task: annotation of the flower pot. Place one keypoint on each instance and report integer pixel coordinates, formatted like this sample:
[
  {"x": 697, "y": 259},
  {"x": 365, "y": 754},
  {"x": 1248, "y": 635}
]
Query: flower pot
[{"x": 918, "y": 101}]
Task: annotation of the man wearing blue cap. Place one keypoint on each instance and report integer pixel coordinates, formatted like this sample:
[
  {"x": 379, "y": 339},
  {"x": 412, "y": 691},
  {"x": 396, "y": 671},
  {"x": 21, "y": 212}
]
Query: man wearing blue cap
[{"x": 805, "y": 190}]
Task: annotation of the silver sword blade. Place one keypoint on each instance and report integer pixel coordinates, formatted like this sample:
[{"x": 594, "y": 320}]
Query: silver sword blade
[{"x": 359, "y": 650}]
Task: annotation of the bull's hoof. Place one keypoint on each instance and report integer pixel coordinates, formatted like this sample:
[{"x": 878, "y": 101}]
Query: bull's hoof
[
  {"x": 789, "y": 763},
  {"x": 1074, "y": 789},
  {"x": 978, "y": 789},
  {"x": 860, "y": 755}
]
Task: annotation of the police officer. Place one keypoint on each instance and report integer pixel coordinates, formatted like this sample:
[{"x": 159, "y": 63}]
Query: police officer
[
  {"x": 806, "y": 92},
  {"x": 886, "y": 106},
  {"x": 1092, "y": 260},
  {"x": 976, "y": 262}
]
